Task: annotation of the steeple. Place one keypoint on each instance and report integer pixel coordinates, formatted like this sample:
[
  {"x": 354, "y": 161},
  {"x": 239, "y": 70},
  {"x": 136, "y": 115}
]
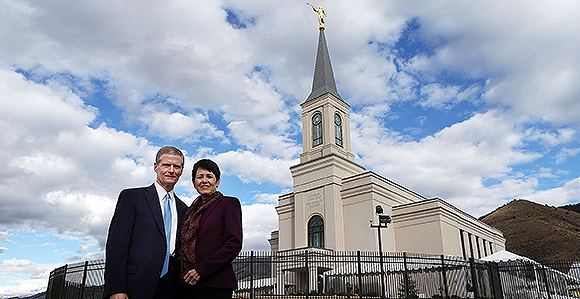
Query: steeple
[
  {"x": 325, "y": 117},
  {"x": 323, "y": 76}
]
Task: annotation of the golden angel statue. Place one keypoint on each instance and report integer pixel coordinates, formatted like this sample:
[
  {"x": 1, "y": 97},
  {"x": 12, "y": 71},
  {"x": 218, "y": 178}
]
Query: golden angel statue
[{"x": 321, "y": 14}]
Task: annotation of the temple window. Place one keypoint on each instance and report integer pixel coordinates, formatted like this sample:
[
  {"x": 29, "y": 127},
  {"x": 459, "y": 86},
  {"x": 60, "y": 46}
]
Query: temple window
[
  {"x": 316, "y": 232},
  {"x": 338, "y": 130},
  {"x": 316, "y": 129}
]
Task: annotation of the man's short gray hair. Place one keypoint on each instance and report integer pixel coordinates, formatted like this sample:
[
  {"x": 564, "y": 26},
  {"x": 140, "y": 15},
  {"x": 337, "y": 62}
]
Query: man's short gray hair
[{"x": 171, "y": 150}]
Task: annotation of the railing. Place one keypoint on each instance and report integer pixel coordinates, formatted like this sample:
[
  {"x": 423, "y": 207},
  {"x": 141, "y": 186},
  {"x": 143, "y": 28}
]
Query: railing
[
  {"x": 550, "y": 279},
  {"x": 75, "y": 281},
  {"x": 402, "y": 275},
  {"x": 313, "y": 273}
]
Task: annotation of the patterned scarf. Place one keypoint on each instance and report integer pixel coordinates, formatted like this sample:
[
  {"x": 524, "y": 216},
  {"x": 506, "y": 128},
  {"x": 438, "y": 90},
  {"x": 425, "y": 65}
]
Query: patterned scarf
[{"x": 189, "y": 228}]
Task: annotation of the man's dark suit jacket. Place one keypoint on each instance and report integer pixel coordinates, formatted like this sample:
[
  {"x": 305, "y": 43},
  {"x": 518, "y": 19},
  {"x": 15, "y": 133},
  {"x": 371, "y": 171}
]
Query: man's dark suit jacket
[
  {"x": 219, "y": 240},
  {"x": 136, "y": 244}
]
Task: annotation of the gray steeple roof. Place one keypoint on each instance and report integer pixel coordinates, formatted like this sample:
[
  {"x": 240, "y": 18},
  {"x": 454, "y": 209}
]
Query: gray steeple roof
[{"x": 323, "y": 77}]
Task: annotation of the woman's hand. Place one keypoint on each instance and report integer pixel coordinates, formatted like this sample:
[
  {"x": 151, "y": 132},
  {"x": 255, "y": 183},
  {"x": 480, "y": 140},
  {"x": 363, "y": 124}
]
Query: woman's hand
[{"x": 192, "y": 277}]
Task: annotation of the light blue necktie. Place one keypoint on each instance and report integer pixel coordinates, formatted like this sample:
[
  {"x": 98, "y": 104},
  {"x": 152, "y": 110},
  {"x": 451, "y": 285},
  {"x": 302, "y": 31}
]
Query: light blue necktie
[{"x": 167, "y": 225}]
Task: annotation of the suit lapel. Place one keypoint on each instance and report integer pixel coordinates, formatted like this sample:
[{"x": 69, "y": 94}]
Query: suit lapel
[
  {"x": 210, "y": 210},
  {"x": 153, "y": 201}
]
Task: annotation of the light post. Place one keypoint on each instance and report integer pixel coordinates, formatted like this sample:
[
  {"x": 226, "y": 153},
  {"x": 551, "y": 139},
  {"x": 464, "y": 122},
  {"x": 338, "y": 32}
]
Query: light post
[{"x": 384, "y": 220}]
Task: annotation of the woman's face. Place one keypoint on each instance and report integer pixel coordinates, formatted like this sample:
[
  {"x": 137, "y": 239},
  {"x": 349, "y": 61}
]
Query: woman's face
[{"x": 205, "y": 182}]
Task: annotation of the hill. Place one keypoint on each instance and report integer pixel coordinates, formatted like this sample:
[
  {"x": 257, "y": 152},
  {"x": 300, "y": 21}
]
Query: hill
[
  {"x": 574, "y": 207},
  {"x": 37, "y": 296},
  {"x": 539, "y": 232}
]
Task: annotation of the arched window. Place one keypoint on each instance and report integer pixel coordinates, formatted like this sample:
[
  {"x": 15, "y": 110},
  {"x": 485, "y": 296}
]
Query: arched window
[
  {"x": 316, "y": 232},
  {"x": 316, "y": 129},
  {"x": 337, "y": 130}
]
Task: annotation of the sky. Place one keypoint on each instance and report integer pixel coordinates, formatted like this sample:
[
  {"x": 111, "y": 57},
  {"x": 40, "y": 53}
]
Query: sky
[{"x": 473, "y": 102}]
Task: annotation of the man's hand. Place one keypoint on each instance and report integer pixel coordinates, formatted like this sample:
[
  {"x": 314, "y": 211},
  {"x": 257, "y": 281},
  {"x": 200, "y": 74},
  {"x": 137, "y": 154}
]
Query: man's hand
[
  {"x": 192, "y": 277},
  {"x": 119, "y": 296}
]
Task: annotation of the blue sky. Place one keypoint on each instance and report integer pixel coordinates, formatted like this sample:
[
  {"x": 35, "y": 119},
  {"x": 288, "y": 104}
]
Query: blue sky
[{"x": 472, "y": 102}]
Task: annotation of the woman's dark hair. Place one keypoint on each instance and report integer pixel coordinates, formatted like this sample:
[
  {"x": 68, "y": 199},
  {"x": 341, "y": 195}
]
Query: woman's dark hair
[{"x": 206, "y": 164}]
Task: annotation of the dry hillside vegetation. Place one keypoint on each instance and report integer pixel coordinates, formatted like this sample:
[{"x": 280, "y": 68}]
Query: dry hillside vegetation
[{"x": 539, "y": 232}]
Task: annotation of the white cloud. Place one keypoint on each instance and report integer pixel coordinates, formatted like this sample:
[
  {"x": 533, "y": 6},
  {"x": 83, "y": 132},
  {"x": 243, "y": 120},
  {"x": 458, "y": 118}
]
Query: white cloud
[
  {"x": 438, "y": 96},
  {"x": 368, "y": 77},
  {"x": 267, "y": 144},
  {"x": 27, "y": 277},
  {"x": 250, "y": 167},
  {"x": 522, "y": 66},
  {"x": 175, "y": 53},
  {"x": 46, "y": 164},
  {"x": 87, "y": 211},
  {"x": 3, "y": 249},
  {"x": 59, "y": 164},
  {"x": 31, "y": 109},
  {"x": 569, "y": 192},
  {"x": 566, "y": 153},
  {"x": 453, "y": 164},
  {"x": 560, "y": 136},
  {"x": 258, "y": 220},
  {"x": 90, "y": 256},
  {"x": 267, "y": 198},
  {"x": 5, "y": 234},
  {"x": 179, "y": 126}
]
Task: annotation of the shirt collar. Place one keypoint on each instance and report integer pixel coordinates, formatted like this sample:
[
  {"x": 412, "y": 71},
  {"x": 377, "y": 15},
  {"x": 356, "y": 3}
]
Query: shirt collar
[{"x": 161, "y": 192}]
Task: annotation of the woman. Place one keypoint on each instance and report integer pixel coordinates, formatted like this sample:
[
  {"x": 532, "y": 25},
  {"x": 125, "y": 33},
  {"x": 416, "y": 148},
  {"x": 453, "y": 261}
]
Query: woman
[{"x": 211, "y": 238}]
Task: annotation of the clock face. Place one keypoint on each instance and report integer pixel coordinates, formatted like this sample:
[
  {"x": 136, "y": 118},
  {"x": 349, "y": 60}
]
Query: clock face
[
  {"x": 316, "y": 119},
  {"x": 337, "y": 120}
]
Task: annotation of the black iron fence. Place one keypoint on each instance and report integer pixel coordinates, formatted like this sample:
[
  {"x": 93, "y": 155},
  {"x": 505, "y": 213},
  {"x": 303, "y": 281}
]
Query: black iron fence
[
  {"x": 315, "y": 273},
  {"x": 312, "y": 272},
  {"x": 80, "y": 280}
]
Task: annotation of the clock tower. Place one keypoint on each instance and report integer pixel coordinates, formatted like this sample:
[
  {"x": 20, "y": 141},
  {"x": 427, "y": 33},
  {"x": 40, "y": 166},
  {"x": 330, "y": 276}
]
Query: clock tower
[
  {"x": 325, "y": 117},
  {"x": 312, "y": 216}
]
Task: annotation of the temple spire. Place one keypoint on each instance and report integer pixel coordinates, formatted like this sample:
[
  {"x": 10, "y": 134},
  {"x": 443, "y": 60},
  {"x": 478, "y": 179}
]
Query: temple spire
[{"x": 323, "y": 76}]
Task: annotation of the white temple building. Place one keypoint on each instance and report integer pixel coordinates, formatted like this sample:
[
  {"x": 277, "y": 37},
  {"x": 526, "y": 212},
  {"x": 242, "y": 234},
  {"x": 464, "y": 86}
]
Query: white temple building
[{"x": 333, "y": 197}]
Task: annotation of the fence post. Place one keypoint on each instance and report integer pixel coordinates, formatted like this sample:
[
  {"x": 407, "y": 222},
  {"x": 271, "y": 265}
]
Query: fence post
[
  {"x": 252, "y": 274},
  {"x": 444, "y": 274},
  {"x": 405, "y": 275},
  {"x": 280, "y": 277},
  {"x": 474, "y": 280},
  {"x": 359, "y": 274},
  {"x": 50, "y": 283},
  {"x": 307, "y": 274},
  {"x": 546, "y": 281},
  {"x": 84, "y": 279},
  {"x": 56, "y": 283},
  {"x": 62, "y": 291},
  {"x": 382, "y": 265},
  {"x": 495, "y": 280}
]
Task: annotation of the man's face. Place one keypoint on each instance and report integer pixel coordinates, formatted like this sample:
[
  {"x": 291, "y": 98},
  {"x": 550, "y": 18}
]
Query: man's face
[{"x": 169, "y": 169}]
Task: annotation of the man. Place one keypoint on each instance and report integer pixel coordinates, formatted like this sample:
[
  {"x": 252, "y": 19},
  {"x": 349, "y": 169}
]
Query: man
[{"x": 139, "y": 262}]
